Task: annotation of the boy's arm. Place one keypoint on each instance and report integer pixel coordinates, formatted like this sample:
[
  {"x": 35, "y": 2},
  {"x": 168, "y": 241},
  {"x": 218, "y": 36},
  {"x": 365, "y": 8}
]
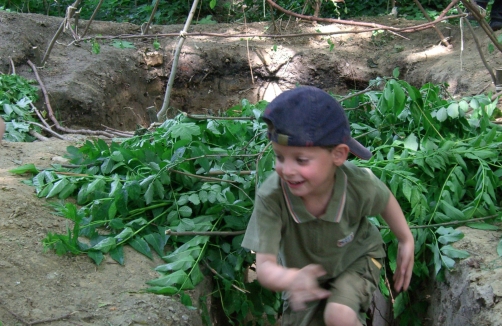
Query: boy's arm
[
  {"x": 394, "y": 217},
  {"x": 301, "y": 284}
]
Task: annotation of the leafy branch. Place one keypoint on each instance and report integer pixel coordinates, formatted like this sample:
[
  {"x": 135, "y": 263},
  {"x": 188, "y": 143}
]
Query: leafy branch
[{"x": 186, "y": 190}]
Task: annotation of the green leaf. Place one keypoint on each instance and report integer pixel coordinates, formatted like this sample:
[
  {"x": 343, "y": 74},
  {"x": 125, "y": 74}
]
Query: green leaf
[
  {"x": 499, "y": 248},
  {"x": 185, "y": 211},
  {"x": 454, "y": 253},
  {"x": 149, "y": 193},
  {"x": 182, "y": 264},
  {"x": 441, "y": 114},
  {"x": 185, "y": 299},
  {"x": 165, "y": 290},
  {"x": 185, "y": 131},
  {"x": 125, "y": 234},
  {"x": 178, "y": 278},
  {"x": 117, "y": 156},
  {"x": 400, "y": 303},
  {"x": 196, "y": 275},
  {"x": 483, "y": 226},
  {"x": 449, "y": 235},
  {"x": 395, "y": 72},
  {"x": 194, "y": 199},
  {"x": 117, "y": 254},
  {"x": 411, "y": 142},
  {"x": 26, "y": 168},
  {"x": 453, "y": 110},
  {"x": 105, "y": 245},
  {"x": 58, "y": 186},
  {"x": 97, "y": 256},
  {"x": 157, "y": 241},
  {"x": 452, "y": 212},
  {"x": 141, "y": 246}
]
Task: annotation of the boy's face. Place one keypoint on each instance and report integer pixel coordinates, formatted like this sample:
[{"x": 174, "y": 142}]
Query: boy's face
[{"x": 308, "y": 171}]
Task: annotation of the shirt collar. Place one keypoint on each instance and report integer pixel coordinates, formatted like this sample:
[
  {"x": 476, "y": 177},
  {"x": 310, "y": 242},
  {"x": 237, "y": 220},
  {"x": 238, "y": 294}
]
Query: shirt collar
[{"x": 335, "y": 207}]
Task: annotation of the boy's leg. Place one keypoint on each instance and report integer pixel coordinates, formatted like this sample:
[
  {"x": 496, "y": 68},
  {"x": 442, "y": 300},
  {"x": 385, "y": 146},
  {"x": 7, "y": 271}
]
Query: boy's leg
[
  {"x": 311, "y": 316},
  {"x": 352, "y": 292}
]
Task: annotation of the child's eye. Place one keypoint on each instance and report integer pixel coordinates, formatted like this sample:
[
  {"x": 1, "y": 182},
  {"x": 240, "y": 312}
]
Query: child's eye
[
  {"x": 302, "y": 160},
  {"x": 279, "y": 158}
]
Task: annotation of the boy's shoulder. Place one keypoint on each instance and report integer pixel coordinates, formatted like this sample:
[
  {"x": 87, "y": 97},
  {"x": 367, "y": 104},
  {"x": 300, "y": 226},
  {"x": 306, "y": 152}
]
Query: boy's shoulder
[
  {"x": 356, "y": 173},
  {"x": 271, "y": 185}
]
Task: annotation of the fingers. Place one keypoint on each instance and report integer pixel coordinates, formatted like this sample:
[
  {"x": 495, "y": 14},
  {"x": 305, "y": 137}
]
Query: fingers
[
  {"x": 402, "y": 276},
  {"x": 305, "y": 287}
]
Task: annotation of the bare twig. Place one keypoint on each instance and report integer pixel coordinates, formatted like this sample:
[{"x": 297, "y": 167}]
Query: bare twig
[
  {"x": 478, "y": 47},
  {"x": 210, "y": 117},
  {"x": 58, "y": 32},
  {"x": 53, "y": 118},
  {"x": 203, "y": 177},
  {"x": 38, "y": 136},
  {"x": 210, "y": 233},
  {"x": 13, "y": 66},
  {"x": 162, "y": 113},
  {"x": 48, "y": 129},
  {"x": 222, "y": 277},
  {"x": 147, "y": 27},
  {"x": 247, "y": 44},
  {"x": 362, "y": 24},
  {"x": 40, "y": 116},
  {"x": 409, "y": 29},
  {"x": 369, "y": 88},
  {"x": 441, "y": 36},
  {"x": 474, "y": 10},
  {"x": 92, "y": 18}
]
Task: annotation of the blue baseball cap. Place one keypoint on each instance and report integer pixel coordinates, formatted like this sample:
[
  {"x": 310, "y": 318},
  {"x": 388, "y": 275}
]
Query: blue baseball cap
[{"x": 308, "y": 116}]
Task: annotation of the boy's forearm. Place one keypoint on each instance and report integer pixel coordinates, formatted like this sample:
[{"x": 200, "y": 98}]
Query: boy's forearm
[
  {"x": 273, "y": 276},
  {"x": 394, "y": 217}
]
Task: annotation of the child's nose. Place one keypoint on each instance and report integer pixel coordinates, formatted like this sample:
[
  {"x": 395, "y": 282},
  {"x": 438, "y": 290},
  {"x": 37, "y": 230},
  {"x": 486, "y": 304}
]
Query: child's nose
[{"x": 287, "y": 168}]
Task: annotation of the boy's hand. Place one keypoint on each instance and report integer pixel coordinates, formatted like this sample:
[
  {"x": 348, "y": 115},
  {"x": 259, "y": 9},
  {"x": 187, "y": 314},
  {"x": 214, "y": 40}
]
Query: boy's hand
[
  {"x": 304, "y": 287},
  {"x": 405, "y": 261}
]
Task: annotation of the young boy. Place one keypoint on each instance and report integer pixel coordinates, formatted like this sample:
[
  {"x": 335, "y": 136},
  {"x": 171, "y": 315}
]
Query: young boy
[{"x": 309, "y": 227}]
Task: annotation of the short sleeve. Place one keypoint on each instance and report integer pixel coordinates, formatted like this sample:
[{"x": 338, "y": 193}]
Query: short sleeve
[{"x": 263, "y": 233}]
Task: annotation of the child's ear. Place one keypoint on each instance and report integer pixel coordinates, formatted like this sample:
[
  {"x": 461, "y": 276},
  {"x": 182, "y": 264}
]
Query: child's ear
[{"x": 340, "y": 154}]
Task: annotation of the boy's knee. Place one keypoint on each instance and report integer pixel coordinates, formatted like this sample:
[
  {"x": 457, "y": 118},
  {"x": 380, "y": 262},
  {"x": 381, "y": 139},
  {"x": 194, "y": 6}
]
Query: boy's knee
[{"x": 337, "y": 314}]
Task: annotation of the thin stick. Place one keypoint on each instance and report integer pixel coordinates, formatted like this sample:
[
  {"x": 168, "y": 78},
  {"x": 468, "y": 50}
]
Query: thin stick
[
  {"x": 92, "y": 17},
  {"x": 38, "y": 136},
  {"x": 210, "y": 117},
  {"x": 49, "y": 130},
  {"x": 473, "y": 9},
  {"x": 12, "y": 65},
  {"x": 478, "y": 47},
  {"x": 356, "y": 94},
  {"x": 40, "y": 116},
  {"x": 151, "y": 18},
  {"x": 210, "y": 233},
  {"x": 53, "y": 118},
  {"x": 203, "y": 177},
  {"x": 441, "y": 36},
  {"x": 161, "y": 116},
  {"x": 216, "y": 273},
  {"x": 247, "y": 44},
  {"x": 60, "y": 29},
  {"x": 410, "y": 29}
]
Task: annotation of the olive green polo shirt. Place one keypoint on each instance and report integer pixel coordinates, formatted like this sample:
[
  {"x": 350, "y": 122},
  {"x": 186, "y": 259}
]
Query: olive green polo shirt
[{"x": 282, "y": 226}]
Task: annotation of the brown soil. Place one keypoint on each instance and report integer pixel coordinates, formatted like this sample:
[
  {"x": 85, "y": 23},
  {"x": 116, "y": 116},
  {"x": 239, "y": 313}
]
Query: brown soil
[{"x": 114, "y": 88}]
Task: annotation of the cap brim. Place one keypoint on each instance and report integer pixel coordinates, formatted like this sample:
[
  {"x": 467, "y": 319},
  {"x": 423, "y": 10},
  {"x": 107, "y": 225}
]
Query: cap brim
[{"x": 358, "y": 149}]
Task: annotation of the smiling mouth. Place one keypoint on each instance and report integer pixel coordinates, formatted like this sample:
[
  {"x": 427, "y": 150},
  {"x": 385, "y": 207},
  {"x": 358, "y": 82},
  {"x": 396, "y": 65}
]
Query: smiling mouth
[{"x": 294, "y": 183}]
